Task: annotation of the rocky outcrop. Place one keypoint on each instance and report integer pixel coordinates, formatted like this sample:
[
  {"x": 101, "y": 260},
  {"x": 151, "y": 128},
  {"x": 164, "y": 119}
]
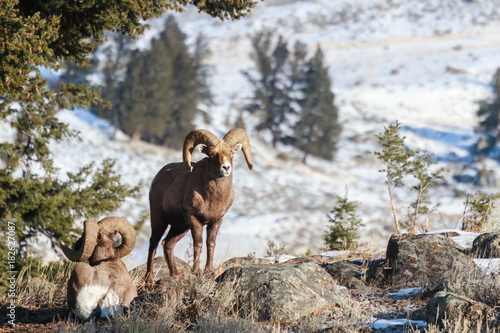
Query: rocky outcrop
[
  {"x": 281, "y": 293},
  {"x": 486, "y": 246},
  {"x": 347, "y": 274},
  {"x": 422, "y": 260},
  {"x": 448, "y": 306}
]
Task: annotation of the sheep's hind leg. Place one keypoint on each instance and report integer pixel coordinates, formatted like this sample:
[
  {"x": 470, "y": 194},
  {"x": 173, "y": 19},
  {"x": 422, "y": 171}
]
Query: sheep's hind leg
[
  {"x": 157, "y": 232},
  {"x": 173, "y": 236}
]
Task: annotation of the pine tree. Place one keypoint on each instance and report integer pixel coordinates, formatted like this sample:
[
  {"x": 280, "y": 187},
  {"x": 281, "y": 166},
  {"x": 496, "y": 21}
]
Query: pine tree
[
  {"x": 117, "y": 56},
  {"x": 159, "y": 96},
  {"x": 479, "y": 211},
  {"x": 274, "y": 86},
  {"x": 396, "y": 161},
  {"x": 421, "y": 170},
  {"x": 50, "y": 33},
  {"x": 342, "y": 235},
  {"x": 318, "y": 130},
  {"x": 489, "y": 119},
  {"x": 203, "y": 71}
]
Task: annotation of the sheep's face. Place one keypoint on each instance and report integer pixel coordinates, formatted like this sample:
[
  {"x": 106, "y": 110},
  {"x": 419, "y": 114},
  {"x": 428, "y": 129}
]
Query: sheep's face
[
  {"x": 220, "y": 158},
  {"x": 104, "y": 248}
]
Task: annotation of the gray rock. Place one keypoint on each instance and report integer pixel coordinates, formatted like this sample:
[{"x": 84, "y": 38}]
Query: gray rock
[
  {"x": 422, "y": 260},
  {"x": 486, "y": 246},
  {"x": 281, "y": 293},
  {"x": 445, "y": 305},
  {"x": 347, "y": 274}
]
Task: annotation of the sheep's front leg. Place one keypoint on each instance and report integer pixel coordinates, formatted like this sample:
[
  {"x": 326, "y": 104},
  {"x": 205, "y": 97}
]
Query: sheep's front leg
[
  {"x": 212, "y": 230},
  {"x": 197, "y": 233}
]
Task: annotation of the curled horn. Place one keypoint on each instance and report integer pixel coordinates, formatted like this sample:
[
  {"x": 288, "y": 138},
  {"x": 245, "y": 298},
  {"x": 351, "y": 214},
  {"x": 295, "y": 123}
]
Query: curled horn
[
  {"x": 238, "y": 135},
  {"x": 125, "y": 229},
  {"x": 84, "y": 247},
  {"x": 193, "y": 139}
]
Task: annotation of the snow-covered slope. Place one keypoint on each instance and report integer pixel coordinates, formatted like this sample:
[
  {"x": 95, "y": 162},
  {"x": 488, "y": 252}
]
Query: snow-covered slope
[{"x": 425, "y": 63}]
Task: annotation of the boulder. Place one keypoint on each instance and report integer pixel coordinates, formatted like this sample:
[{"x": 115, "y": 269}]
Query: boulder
[
  {"x": 422, "y": 260},
  {"x": 448, "y": 306},
  {"x": 281, "y": 293},
  {"x": 486, "y": 246},
  {"x": 347, "y": 274}
]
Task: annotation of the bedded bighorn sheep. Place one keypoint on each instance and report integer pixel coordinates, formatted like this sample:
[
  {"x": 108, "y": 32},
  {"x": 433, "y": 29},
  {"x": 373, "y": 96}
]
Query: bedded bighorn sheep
[
  {"x": 189, "y": 196},
  {"x": 104, "y": 282}
]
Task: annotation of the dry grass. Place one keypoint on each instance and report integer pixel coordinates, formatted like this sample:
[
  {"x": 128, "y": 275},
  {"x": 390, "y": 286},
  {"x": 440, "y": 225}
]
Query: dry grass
[
  {"x": 459, "y": 325},
  {"x": 475, "y": 284}
]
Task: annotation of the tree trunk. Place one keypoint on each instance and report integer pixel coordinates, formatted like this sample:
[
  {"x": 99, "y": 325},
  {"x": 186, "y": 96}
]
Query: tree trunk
[
  {"x": 415, "y": 217},
  {"x": 394, "y": 210},
  {"x": 304, "y": 158}
]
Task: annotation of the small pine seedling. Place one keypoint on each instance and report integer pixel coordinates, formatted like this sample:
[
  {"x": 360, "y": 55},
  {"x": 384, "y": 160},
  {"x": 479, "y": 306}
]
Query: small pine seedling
[{"x": 343, "y": 234}]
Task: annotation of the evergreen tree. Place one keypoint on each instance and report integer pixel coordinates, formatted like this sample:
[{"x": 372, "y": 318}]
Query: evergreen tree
[
  {"x": 421, "y": 170},
  {"x": 117, "y": 56},
  {"x": 159, "y": 96},
  {"x": 342, "y": 235},
  {"x": 49, "y": 33},
  {"x": 203, "y": 71},
  {"x": 276, "y": 83},
  {"x": 489, "y": 119},
  {"x": 479, "y": 211},
  {"x": 396, "y": 160},
  {"x": 318, "y": 130}
]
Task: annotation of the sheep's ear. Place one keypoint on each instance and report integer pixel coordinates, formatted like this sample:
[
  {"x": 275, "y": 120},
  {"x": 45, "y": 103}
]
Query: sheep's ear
[
  {"x": 203, "y": 149},
  {"x": 237, "y": 147}
]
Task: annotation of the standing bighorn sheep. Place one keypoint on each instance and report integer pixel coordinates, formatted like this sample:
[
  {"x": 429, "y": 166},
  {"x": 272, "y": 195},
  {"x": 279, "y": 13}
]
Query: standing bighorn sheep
[
  {"x": 104, "y": 282},
  {"x": 189, "y": 196}
]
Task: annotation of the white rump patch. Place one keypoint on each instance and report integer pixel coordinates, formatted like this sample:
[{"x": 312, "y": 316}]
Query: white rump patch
[
  {"x": 110, "y": 304},
  {"x": 87, "y": 300}
]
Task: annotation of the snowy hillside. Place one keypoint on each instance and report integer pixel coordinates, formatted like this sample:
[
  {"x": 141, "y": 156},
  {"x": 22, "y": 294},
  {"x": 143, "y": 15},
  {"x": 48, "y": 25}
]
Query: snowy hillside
[{"x": 424, "y": 63}]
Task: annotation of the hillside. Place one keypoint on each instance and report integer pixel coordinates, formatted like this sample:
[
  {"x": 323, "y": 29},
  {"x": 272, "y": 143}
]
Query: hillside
[{"x": 424, "y": 63}]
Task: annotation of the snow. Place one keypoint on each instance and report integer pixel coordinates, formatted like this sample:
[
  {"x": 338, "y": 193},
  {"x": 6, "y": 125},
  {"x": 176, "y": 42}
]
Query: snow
[
  {"x": 333, "y": 254},
  {"x": 405, "y": 293},
  {"x": 465, "y": 238},
  {"x": 382, "y": 324},
  {"x": 489, "y": 266}
]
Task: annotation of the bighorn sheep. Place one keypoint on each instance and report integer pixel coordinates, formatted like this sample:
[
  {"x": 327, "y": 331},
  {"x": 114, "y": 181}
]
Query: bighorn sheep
[
  {"x": 189, "y": 196},
  {"x": 104, "y": 282}
]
